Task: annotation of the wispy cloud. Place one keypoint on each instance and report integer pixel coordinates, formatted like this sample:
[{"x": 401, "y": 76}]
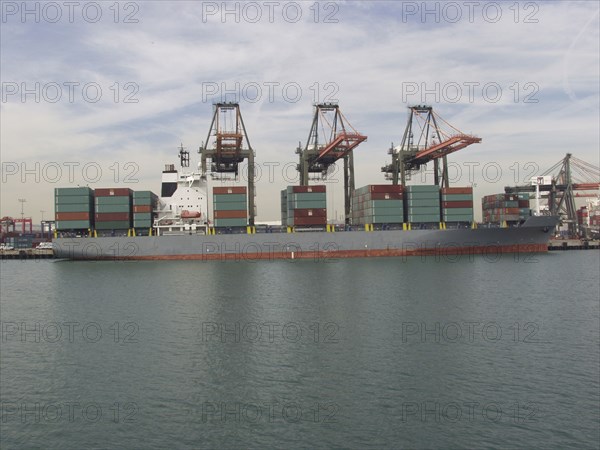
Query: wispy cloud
[{"x": 544, "y": 58}]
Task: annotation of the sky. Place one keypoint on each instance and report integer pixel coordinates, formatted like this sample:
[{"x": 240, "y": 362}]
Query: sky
[{"x": 104, "y": 93}]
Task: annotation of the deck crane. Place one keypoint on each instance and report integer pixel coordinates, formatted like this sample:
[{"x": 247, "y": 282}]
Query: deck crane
[
  {"x": 424, "y": 140},
  {"x": 227, "y": 145},
  {"x": 568, "y": 175},
  {"x": 330, "y": 139}
]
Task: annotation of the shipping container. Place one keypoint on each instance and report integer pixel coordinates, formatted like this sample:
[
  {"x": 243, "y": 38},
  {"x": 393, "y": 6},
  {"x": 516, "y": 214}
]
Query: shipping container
[
  {"x": 422, "y": 189},
  {"x": 461, "y": 204},
  {"x": 424, "y": 210},
  {"x": 66, "y": 225},
  {"x": 110, "y": 217},
  {"x": 458, "y": 190},
  {"x": 72, "y": 216},
  {"x": 73, "y": 191},
  {"x": 423, "y": 218},
  {"x": 75, "y": 207},
  {"x": 321, "y": 221},
  {"x": 143, "y": 216},
  {"x": 230, "y": 206},
  {"x": 230, "y": 223},
  {"x": 141, "y": 209},
  {"x": 73, "y": 199},
  {"x": 461, "y": 211},
  {"x": 417, "y": 203},
  {"x": 117, "y": 200},
  {"x": 234, "y": 214},
  {"x": 306, "y": 189},
  {"x": 229, "y": 198},
  {"x": 308, "y": 196},
  {"x": 306, "y": 205},
  {"x": 229, "y": 190},
  {"x": 457, "y": 198},
  {"x": 114, "y": 225},
  {"x": 422, "y": 196},
  {"x": 308, "y": 213},
  {"x": 112, "y": 209},
  {"x": 113, "y": 192}
]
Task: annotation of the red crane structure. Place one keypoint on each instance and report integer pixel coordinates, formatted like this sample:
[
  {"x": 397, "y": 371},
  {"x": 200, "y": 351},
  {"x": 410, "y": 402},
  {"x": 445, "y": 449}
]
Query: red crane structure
[
  {"x": 330, "y": 139},
  {"x": 423, "y": 141}
]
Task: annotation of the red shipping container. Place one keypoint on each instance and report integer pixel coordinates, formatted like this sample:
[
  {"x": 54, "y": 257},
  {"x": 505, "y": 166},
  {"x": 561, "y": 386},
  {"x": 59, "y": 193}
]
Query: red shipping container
[
  {"x": 304, "y": 189},
  {"x": 237, "y": 214},
  {"x": 142, "y": 208},
  {"x": 109, "y": 217},
  {"x": 385, "y": 188},
  {"x": 523, "y": 203},
  {"x": 72, "y": 216},
  {"x": 384, "y": 196},
  {"x": 457, "y": 190},
  {"x": 461, "y": 204},
  {"x": 309, "y": 213},
  {"x": 113, "y": 192},
  {"x": 310, "y": 221},
  {"x": 229, "y": 190}
]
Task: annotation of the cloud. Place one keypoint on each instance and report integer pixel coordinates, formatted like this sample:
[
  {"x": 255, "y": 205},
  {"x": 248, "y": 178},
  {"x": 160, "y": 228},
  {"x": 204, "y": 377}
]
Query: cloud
[{"x": 370, "y": 57}]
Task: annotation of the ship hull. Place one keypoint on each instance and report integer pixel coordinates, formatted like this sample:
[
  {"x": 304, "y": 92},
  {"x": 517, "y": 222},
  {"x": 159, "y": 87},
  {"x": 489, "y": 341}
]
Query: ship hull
[{"x": 532, "y": 237}]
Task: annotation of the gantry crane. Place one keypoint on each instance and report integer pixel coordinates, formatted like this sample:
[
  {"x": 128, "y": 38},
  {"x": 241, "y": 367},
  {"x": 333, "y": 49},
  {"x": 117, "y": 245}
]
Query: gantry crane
[
  {"x": 567, "y": 175},
  {"x": 424, "y": 141},
  {"x": 227, "y": 145},
  {"x": 330, "y": 139}
]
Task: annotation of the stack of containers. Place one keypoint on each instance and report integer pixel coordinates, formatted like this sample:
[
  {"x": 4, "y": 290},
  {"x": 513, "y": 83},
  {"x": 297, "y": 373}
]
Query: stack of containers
[
  {"x": 423, "y": 204},
  {"x": 74, "y": 208},
  {"x": 144, "y": 205},
  {"x": 306, "y": 205},
  {"x": 230, "y": 206},
  {"x": 113, "y": 208},
  {"x": 524, "y": 207},
  {"x": 500, "y": 208},
  {"x": 457, "y": 204},
  {"x": 378, "y": 204},
  {"x": 582, "y": 216},
  {"x": 594, "y": 217},
  {"x": 284, "y": 211}
]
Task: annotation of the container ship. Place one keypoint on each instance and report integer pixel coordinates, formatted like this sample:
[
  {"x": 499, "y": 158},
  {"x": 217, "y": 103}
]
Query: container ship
[{"x": 393, "y": 219}]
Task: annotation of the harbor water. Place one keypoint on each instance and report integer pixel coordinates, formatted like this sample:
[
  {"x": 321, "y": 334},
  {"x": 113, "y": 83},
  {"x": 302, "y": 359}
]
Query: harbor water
[{"x": 458, "y": 352}]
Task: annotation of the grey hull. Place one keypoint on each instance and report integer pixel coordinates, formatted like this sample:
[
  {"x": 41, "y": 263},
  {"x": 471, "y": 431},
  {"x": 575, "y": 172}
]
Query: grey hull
[{"x": 532, "y": 236}]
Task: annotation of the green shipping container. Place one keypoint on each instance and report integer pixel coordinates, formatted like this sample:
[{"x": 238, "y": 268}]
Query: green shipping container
[
  {"x": 458, "y": 218},
  {"x": 422, "y": 196},
  {"x": 231, "y": 206},
  {"x": 144, "y": 202},
  {"x": 307, "y": 205},
  {"x": 73, "y": 191},
  {"x": 230, "y": 222},
  {"x": 65, "y": 225},
  {"x": 144, "y": 194},
  {"x": 423, "y": 203},
  {"x": 73, "y": 199},
  {"x": 424, "y": 210},
  {"x": 423, "y": 218},
  {"x": 423, "y": 188},
  {"x": 142, "y": 216},
  {"x": 142, "y": 224},
  {"x": 383, "y": 219},
  {"x": 457, "y": 197},
  {"x": 308, "y": 196},
  {"x": 113, "y": 225},
  {"x": 113, "y": 208},
  {"x": 116, "y": 200},
  {"x": 77, "y": 207},
  {"x": 229, "y": 198},
  {"x": 458, "y": 211}
]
